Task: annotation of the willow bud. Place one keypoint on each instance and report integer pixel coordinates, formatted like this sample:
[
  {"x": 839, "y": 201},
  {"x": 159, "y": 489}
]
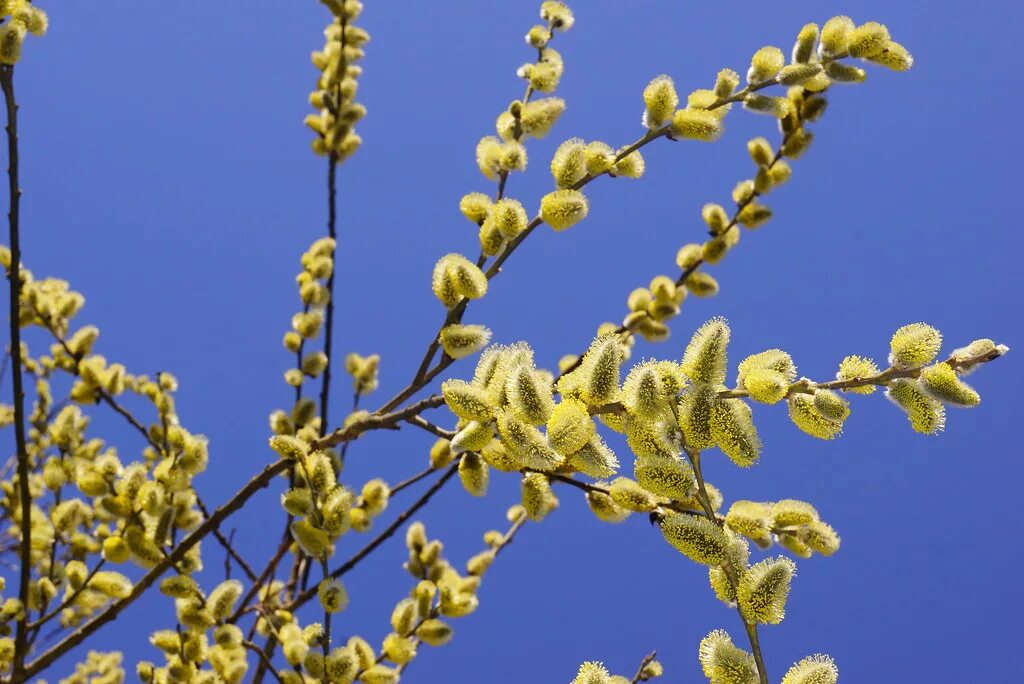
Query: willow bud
[
  {"x": 942, "y": 382},
  {"x": 568, "y": 165},
  {"x": 631, "y": 496},
  {"x": 732, "y": 428},
  {"x": 806, "y": 416},
  {"x": 569, "y": 427},
  {"x": 595, "y": 458},
  {"x": 538, "y": 498},
  {"x": 867, "y": 40},
  {"x": 857, "y": 368},
  {"x": 914, "y": 345},
  {"x": 474, "y": 473},
  {"x": 563, "y": 209},
  {"x": 664, "y": 476},
  {"x": 763, "y": 590},
  {"x": 539, "y": 116},
  {"x": 803, "y": 49},
  {"x": 723, "y": 662},
  {"x": 815, "y": 669},
  {"x": 460, "y": 341},
  {"x": 704, "y": 360},
  {"x": 926, "y": 415},
  {"x": 765, "y": 63},
  {"x": 835, "y": 35},
  {"x": 697, "y": 124},
  {"x": 509, "y": 217},
  {"x": 660, "y": 100},
  {"x": 696, "y": 537},
  {"x": 475, "y": 206}
]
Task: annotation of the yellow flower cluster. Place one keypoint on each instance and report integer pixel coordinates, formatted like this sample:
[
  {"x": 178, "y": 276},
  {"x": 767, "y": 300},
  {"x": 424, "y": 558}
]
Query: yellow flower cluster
[
  {"x": 22, "y": 18},
  {"x": 335, "y": 93}
]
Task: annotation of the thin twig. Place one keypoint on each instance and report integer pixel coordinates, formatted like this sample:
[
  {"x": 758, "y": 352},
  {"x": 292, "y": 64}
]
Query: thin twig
[
  {"x": 731, "y": 573},
  {"x": 14, "y": 275},
  {"x": 647, "y": 660},
  {"x": 264, "y": 659}
]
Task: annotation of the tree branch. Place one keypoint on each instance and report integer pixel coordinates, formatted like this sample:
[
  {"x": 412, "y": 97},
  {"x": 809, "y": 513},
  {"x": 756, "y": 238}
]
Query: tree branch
[
  {"x": 14, "y": 275},
  {"x": 257, "y": 483}
]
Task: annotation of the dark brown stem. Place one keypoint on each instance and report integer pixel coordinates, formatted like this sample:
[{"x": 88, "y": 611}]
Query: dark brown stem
[
  {"x": 332, "y": 232},
  {"x": 730, "y": 572},
  {"x": 14, "y": 275},
  {"x": 647, "y": 660}
]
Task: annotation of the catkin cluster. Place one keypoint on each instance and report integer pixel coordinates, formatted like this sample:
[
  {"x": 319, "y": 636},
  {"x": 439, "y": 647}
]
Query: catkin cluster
[
  {"x": 19, "y": 18},
  {"x": 334, "y": 98},
  {"x": 93, "y": 513}
]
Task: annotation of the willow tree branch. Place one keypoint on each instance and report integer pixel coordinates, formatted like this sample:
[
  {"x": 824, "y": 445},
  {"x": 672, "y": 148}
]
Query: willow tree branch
[
  {"x": 264, "y": 660},
  {"x": 258, "y": 482},
  {"x": 14, "y": 275},
  {"x": 332, "y": 232},
  {"x": 647, "y": 660},
  {"x": 730, "y": 572}
]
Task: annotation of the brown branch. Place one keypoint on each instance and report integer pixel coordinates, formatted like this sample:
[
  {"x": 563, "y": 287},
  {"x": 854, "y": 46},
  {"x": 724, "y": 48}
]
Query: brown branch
[
  {"x": 647, "y": 660},
  {"x": 377, "y": 421},
  {"x": 14, "y": 275},
  {"x": 332, "y": 232},
  {"x": 264, "y": 660}
]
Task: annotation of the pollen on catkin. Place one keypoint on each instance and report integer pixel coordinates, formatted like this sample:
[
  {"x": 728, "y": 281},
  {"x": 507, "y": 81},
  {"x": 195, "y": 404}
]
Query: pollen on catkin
[
  {"x": 538, "y": 497},
  {"x": 815, "y": 669},
  {"x": 568, "y": 164},
  {"x": 696, "y": 537},
  {"x": 509, "y": 217},
  {"x": 660, "y": 100},
  {"x": 569, "y": 427},
  {"x": 665, "y": 476},
  {"x": 467, "y": 401},
  {"x": 763, "y": 590},
  {"x": 459, "y": 340},
  {"x": 857, "y": 368},
  {"x": 806, "y": 416},
  {"x": 723, "y": 662},
  {"x": 765, "y": 63},
  {"x": 697, "y": 124},
  {"x": 732, "y": 428},
  {"x": 563, "y": 208},
  {"x": 941, "y": 382},
  {"x": 704, "y": 360},
  {"x": 914, "y": 345},
  {"x": 926, "y": 415},
  {"x": 595, "y": 459},
  {"x": 538, "y": 117},
  {"x": 695, "y": 405}
]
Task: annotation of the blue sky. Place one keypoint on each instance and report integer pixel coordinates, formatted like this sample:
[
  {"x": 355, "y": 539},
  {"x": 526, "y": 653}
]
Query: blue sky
[{"x": 168, "y": 176}]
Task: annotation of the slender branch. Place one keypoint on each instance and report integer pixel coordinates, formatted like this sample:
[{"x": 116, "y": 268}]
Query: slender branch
[
  {"x": 647, "y": 660},
  {"x": 377, "y": 421},
  {"x": 42, "y": 620},
  {"x": 264, "y": 660},
  {"x": 14, "y": 275},
  {"x": 410, "y": 481},
  {"x": 730, "y": 572},
  {"x": 332, "y": 232},
  {"x": 228, "y": 546},
  {"x": 425, "y": 424},
  {"x": 258, "y": 482}
]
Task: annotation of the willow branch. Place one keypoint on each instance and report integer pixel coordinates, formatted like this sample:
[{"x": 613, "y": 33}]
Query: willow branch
[
  {"x": 647, "y": 660},
  {"x": 730, "y": 572},
  {"x": 257, "y": 483},
  {"x": 264, "y": 660},
  {"x": 14, "y": 275},
  {"x": 332, "y": 232}
]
